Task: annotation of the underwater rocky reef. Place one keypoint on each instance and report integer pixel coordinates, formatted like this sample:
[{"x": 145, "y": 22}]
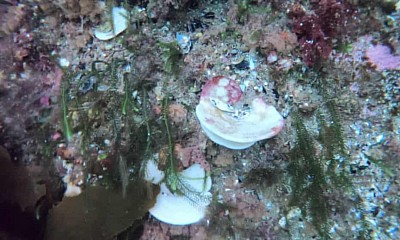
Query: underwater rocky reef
[{"x": 199, "y": 119}]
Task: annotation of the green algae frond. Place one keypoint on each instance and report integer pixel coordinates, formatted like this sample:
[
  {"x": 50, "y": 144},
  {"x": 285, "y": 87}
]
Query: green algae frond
[
  {"x": 316, "y": 176},
  {"x": 172, "y": 57},
  {"x": 175, "y": 181},
  {"x": 65, "y": 118},
  {"x": 308, "y": 178}
]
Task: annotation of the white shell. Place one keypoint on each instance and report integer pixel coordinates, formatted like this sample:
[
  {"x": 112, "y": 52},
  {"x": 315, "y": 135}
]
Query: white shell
[
  {"x": 152, "y": 173},
  {"x": 120, "y": 18},
  {"x": 195, "y": 178},
  {"x": 231, "y": 130},
  {"x": 226, "y": 143},
  {"x": 63, "y": 62},
  {"x": 72, "y": 190},
  {"x": 179, "y": 209}
]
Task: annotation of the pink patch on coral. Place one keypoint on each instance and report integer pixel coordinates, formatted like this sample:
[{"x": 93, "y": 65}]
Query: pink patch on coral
[
  {"x": 45, "y": 101},
  {"x": 210, "y": 84},
  {"x": 192, "y": 155},
  {"x": 381, "y": 57},
  {"x": 233, "y": 90},
  {"x": 277, "y": 129},
  {"x": 56, "y": 136},
  {"x": 157, "y": 109}
]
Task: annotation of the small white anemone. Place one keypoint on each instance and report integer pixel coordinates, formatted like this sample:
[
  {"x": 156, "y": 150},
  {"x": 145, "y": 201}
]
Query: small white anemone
[
  {"x": 118, "y": 24},
  {"x": 173, "y": 208}
]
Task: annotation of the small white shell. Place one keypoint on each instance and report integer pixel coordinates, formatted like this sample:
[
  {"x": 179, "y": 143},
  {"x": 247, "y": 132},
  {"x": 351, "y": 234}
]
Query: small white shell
[
  {"x": 180, "y": 209},
  {"x": 175, "y": 209},
  {"x": 72, "y": 190},
  {"x": 195, "y": 178},
  {"x": 63, "y": 62},
  {"x": 152, "y": 173},
  {"x": 120, "y": 18}
]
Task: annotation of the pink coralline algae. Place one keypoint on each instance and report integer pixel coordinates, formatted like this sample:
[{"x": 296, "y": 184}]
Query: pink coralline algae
[
  {"x": 191, "y": 155},
  {"x": 380, "y": 56}
]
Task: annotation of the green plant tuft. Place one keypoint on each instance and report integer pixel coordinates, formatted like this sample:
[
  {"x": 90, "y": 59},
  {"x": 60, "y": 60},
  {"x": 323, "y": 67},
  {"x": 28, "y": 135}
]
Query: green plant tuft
[
  {"x": 172, "y": 57},
  {"x": 308, "y": 179},
  {"x": 314, "y": 176},
  {"x": 175, "y": 181},
  {"x": 65, "y": 115}
]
